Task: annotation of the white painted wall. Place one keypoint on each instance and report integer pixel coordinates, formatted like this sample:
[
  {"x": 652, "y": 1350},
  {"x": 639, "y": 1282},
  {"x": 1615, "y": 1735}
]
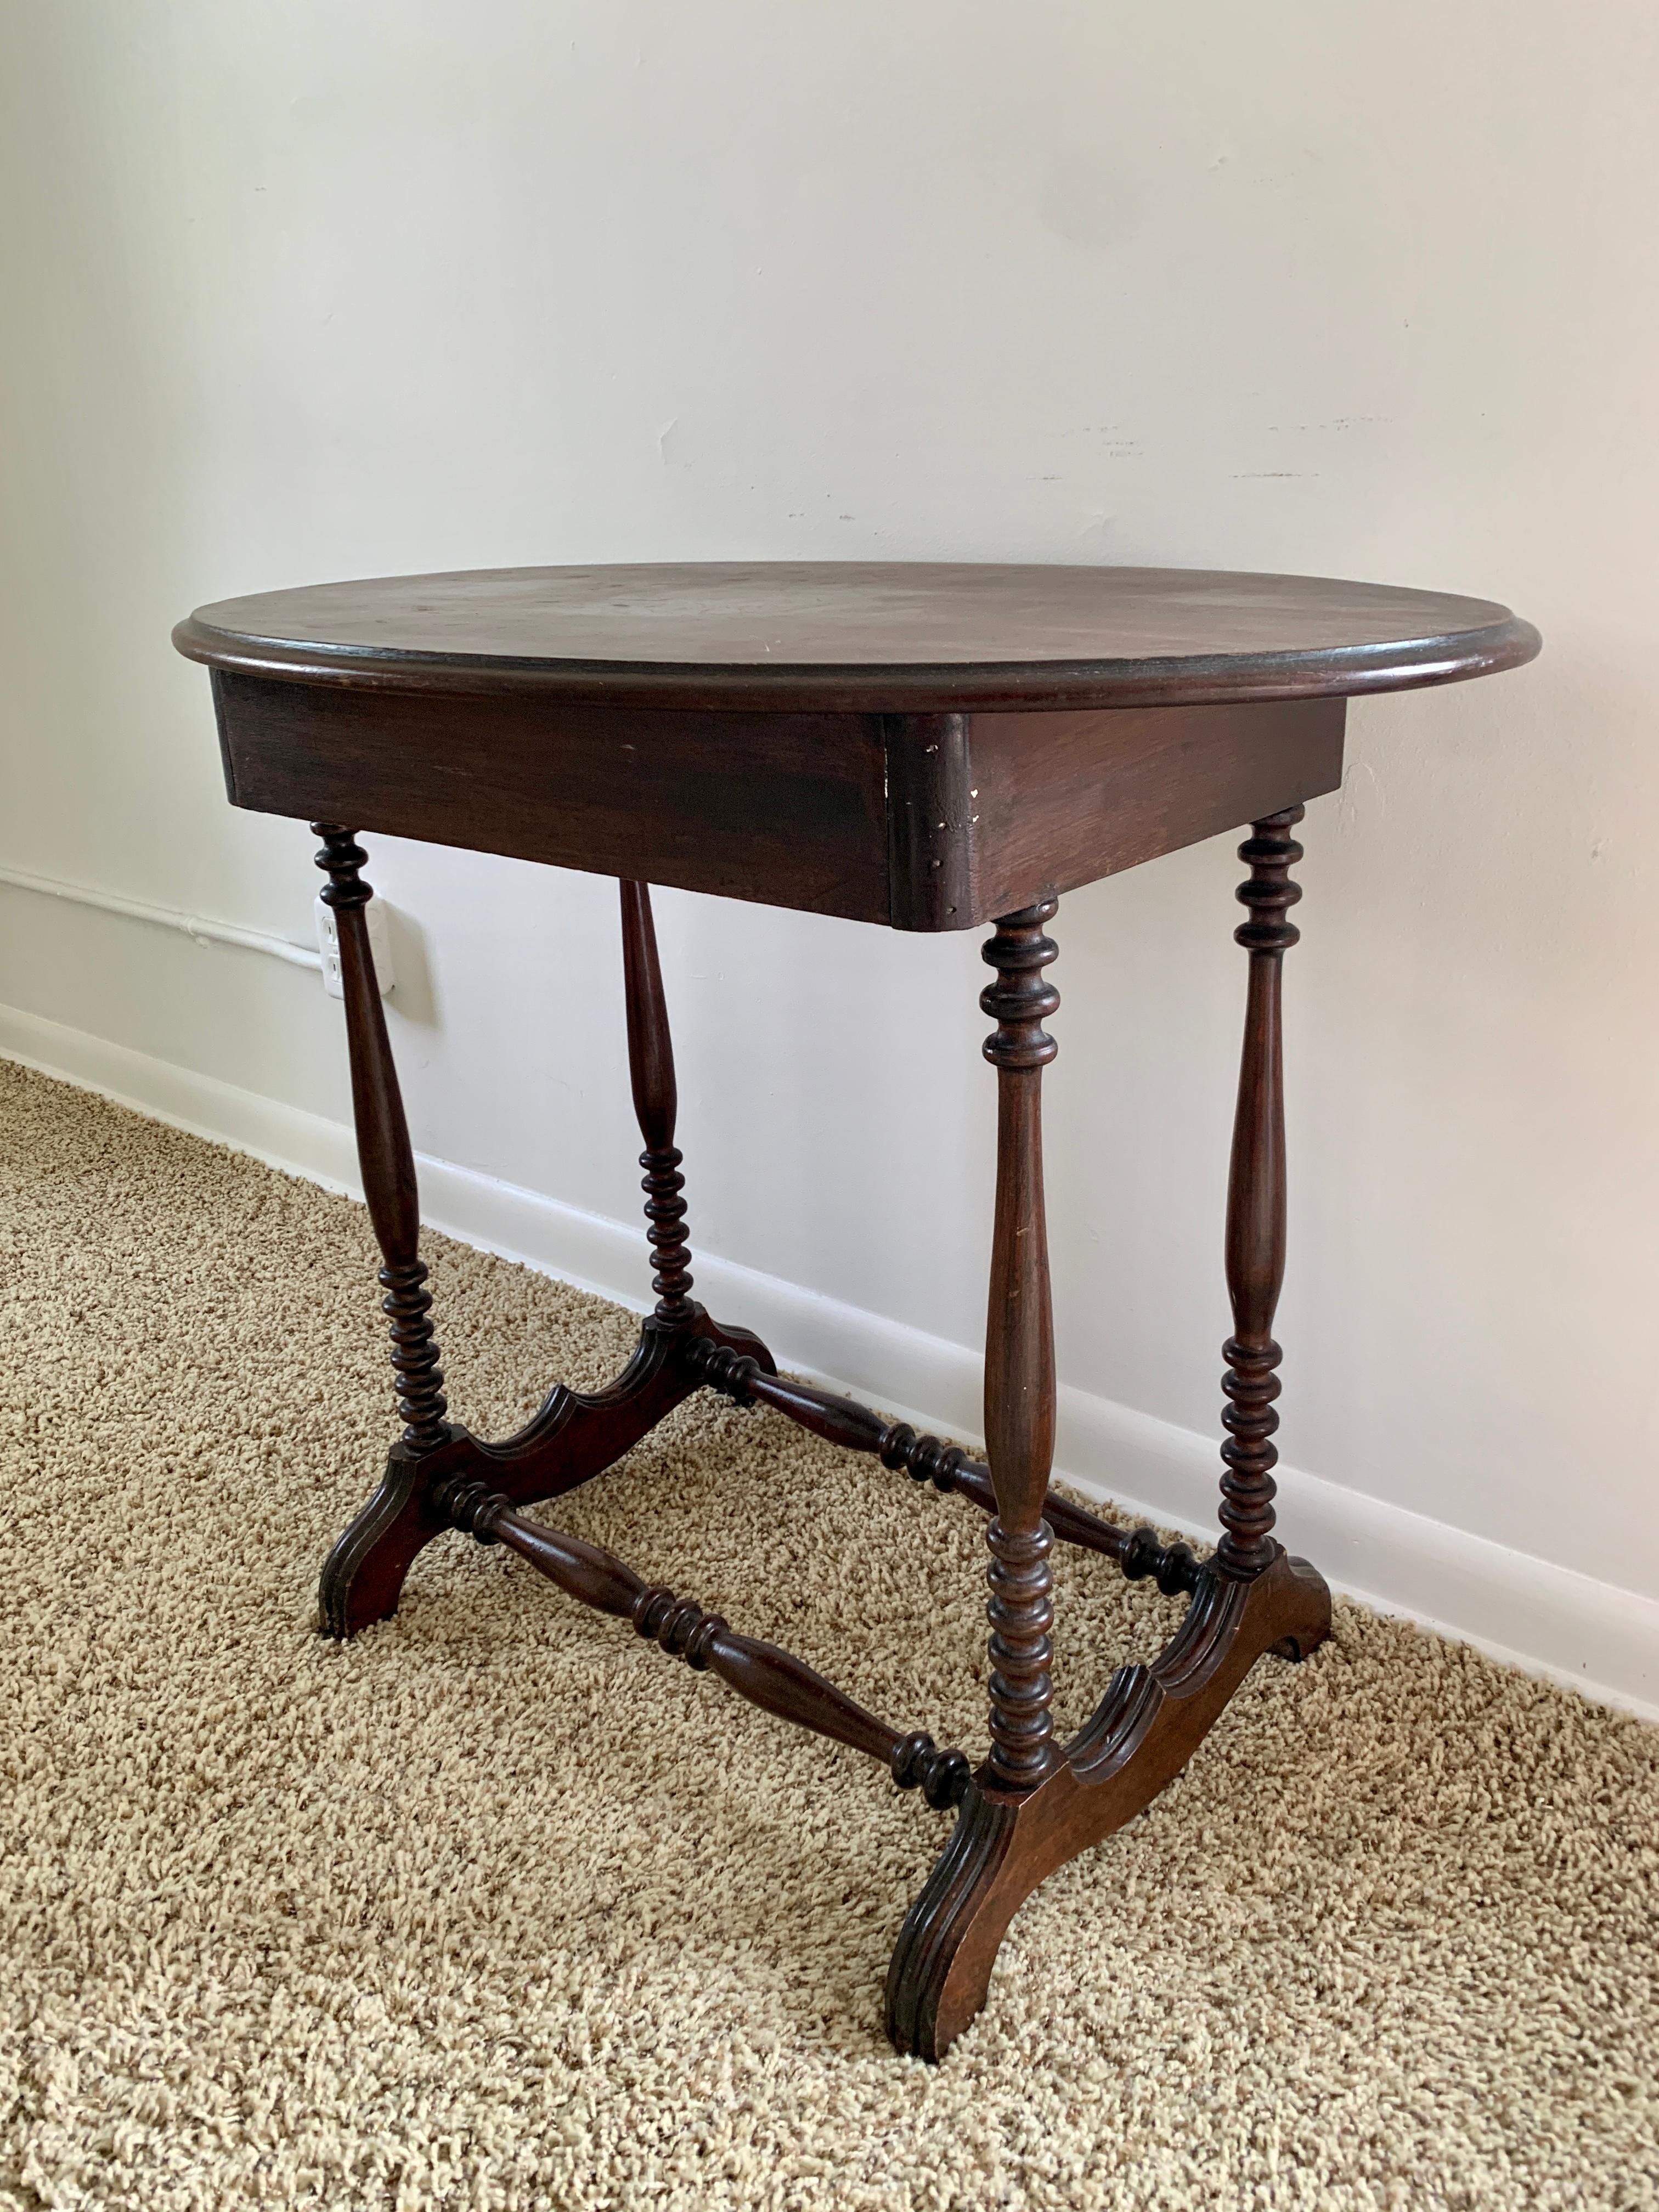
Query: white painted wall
[{"x": 303, "y": 290}]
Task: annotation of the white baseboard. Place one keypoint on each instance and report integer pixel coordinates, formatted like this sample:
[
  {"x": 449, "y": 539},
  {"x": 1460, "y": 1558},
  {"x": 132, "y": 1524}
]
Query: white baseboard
[{"x": 1526, "y": 1611}]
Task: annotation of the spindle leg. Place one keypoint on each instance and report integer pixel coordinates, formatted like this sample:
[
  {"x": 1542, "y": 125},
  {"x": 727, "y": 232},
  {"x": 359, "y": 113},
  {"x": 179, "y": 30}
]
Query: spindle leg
[
  {"x": 1033, "y": 1804},
  {"x": 1020, "y": 1355},
  {"x": 656, "y": 1104},
  {"x": 574, "y": 1435},
  {"x": 384, "y": 1153},
  {"x": 677, "y": 1327},
  {"x": 364, "y": 1573},
  {"x": 1255, "y": 1203}
]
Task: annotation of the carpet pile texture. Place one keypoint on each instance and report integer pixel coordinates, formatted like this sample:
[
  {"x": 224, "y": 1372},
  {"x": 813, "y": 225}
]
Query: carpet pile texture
[{"x": 499, "y": 1908}]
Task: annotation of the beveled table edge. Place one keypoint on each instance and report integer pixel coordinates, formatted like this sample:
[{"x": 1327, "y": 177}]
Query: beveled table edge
[{"x": 908, "y": 688}]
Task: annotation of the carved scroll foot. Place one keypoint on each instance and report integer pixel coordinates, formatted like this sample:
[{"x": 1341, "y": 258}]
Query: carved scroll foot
[
  {"x": 1140, "y": 1736},
  {"x": 571, "y": 1436},
  {"x": 363, "y": 1576},
  {"x": 1313, "y": 1624}
]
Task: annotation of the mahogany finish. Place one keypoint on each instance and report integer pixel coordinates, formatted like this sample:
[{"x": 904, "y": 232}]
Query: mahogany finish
[
  {"x": 572, "y": 1435},
  {"x": 656, "y": 1104},
  {"x": 930, "y": 747},
  {"x": 927, "y": 745},
  {"x": 1256, "y": 1204},
  {"x": 766, "y": 1675},
  {"x": 924, "y": 821},
  {"x": 862, "y": 637},
  {"x": 1020, "y": 1355},
  {"x": 383, "y": 1151},
  {"x": 1139, "y": 1738},
  {"x": 929, "y": 1459}
]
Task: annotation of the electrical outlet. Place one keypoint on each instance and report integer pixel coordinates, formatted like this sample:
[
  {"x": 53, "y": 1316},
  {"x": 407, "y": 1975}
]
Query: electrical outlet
[{"x": 379, "y": 944}]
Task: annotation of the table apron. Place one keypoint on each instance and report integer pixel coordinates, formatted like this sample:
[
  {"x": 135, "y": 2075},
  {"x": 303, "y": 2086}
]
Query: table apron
[{"x": 922, "y": 821}]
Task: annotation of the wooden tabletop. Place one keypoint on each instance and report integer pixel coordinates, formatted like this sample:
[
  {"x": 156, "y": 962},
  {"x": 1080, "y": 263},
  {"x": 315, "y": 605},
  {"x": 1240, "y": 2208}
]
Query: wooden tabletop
[{"x": 862, "y": 637}]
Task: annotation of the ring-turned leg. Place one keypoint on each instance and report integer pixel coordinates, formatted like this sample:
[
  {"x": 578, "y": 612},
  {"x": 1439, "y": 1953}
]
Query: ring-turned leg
[
  {"x": 1020, "y": 1355},
  {"x": 677, "y": 1320},
  {"x": 1033, "y": 1805},
  {"x": 1256, "y": 1204},
  {"x": 365, "y": 1572},
  {"x": 572, "y": 1435},
  {"x": 656, "y": 1105},
  {"x": 1019, "y": 1431}
]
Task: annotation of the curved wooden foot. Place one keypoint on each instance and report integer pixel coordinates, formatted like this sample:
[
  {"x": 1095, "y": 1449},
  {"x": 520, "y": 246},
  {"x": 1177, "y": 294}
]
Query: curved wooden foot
[
  {"x": 571, "y": 1436},
  {"x": 363, "y": 1575},
  {"x": 1140, "y": 1736}
]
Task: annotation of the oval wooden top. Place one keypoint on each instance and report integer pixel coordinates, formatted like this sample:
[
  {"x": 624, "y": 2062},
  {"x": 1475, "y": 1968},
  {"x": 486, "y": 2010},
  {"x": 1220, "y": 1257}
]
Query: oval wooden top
[{"x": 862, "y": 637}]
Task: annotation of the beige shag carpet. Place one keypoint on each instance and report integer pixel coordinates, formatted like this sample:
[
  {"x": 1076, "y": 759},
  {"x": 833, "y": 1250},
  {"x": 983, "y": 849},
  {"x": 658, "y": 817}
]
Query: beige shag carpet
[{"x": 498, "y": 1907}]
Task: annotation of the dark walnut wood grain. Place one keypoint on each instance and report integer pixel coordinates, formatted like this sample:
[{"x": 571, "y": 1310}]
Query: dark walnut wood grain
[
  {"x": 928, "y": 1459},
  {"x": 1250, "y": 1599},
  {"x": 574, "y": 1434},
  {"x": 924, "y": 821},
  {"x": 792, "y": 804},
  {"x": 1255, "y": 1203},
  {"x": 656, "y": 1105},
  {"x": 766, "y": 1674},
  {"x": 929, "y": 747},
  {"x": 1144, "y": 1731},
  {"x": 862, "y": 637},
  {"x": 1020, "y": 1355},
  {"x": 924, "y": 746},
  {"x": 383, "y": 1151}
]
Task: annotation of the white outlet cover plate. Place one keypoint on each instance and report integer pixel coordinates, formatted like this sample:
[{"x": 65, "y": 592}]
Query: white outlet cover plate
[{"x": 379, "y": 944}]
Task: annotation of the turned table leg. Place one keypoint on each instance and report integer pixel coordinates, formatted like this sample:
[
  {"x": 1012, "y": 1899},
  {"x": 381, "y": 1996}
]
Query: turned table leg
[
  {"x": 574, "y": 1435},
  {"x": 1256, "y": 1204},
  {"x": 656, "y": 1105},
  {"x": 677, "y": 1328},
  {"x": 365, "y": 1572},
  {"x": 1033, "y": 1805},
  {"x": 1019, "y": 1354},
  {"x": 383, "y": 1151}
]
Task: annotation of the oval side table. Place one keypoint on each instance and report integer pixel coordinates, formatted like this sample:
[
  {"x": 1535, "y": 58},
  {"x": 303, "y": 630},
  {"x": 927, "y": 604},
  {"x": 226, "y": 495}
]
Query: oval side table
[{"x": 930, "y": 747}]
